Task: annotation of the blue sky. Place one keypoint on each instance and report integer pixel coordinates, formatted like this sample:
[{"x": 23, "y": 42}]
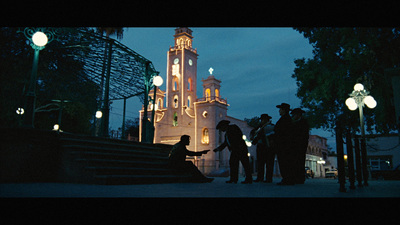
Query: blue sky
[{"x": 254, "y": 64}]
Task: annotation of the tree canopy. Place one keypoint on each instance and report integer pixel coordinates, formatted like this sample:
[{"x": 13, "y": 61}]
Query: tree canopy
[{"x": 343, "y": 57}]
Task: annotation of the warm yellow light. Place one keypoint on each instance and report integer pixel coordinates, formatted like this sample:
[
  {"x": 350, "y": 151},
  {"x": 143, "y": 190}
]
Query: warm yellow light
[
  {"x": 358, "y": 87},
  {"x": 370, "y": 102},
  {"x": 20, "y": 111},
  {"x": 39, "y": 39},
  {"x": 351, "y": 104},
  {"x": 345, "y": 156},
  {"x": 56, "y": 127},
  {"x": 99, "y": 114}
]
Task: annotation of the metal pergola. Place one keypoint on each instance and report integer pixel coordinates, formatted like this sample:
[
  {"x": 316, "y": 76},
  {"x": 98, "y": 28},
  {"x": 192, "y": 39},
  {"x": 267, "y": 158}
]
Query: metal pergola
[{"x": 118, "y": 70}]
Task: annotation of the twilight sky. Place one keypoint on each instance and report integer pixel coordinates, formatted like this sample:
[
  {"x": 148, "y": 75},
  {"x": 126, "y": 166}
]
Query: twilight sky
[{"x": 254, "y": 64}]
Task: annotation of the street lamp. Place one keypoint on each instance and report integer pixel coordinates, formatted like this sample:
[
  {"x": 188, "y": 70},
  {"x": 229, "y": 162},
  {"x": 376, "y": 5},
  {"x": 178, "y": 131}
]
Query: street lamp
[
  {"x": 39, "y": 38},
  {"x": 358, "y": 98},
  {"x": 99, "y": 114},
  {"x": 157, "y": 82}
]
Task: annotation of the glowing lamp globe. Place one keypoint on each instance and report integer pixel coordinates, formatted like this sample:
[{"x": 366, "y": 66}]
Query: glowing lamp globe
[
  {"x": 370, "y": 102},
  {"x": 158, "y": 81},
  {"x": 99, "y": 114},
  {"x": 39, "y": 39},
  {"x": 351, "y": 104},
  {"x": 358, "y": 87}
]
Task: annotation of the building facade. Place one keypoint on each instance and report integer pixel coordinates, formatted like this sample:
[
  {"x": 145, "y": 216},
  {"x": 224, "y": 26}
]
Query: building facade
[
  {"x": 179, "y": 111},
  {"x": 317, "y": 156},
  {"x": 383, "y": 151}
]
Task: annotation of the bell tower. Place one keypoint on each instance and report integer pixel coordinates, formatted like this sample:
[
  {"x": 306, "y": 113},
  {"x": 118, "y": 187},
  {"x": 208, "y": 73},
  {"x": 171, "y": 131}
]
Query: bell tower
[{"x": 181, "y": 72}]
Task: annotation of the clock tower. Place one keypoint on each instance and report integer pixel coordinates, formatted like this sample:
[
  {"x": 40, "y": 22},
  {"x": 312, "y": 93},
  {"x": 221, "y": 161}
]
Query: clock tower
[
  {"x": 182, "y": 72},
  {"x": 184, "y": 113},
  {"x": 180, "y": 94}
]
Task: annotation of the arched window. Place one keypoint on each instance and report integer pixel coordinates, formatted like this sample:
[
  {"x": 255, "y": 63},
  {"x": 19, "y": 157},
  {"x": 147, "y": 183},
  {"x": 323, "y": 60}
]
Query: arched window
[
  {"x": 188, "y": 102},
  {"x": 205, "y": 138},
  {"x": 189, "y": 84},
  {"x": 175, "y": 120},
  {"x": 208, "y": 94},
  {"x": 176, "y": 101},
  {"x": 159, "y": 103},
  {"x": 216, "y": 93},
  {"x": 175, "y": 84}
]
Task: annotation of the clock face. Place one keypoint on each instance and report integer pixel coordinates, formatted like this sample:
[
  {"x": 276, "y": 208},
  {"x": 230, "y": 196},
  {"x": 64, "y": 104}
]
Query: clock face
[
  {"x": 176, "y": 61},
  {"x": 190, "y": 62}
]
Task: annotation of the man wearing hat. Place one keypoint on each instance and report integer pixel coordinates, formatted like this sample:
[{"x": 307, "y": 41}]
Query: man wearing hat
[
  {"x": 300, "y": 143},
  {"x": 283, "y": 139},
  {"x": 177, "y": 160},
  {"x": 260, "y": 137},
  {"x": 238, "y": 148}
]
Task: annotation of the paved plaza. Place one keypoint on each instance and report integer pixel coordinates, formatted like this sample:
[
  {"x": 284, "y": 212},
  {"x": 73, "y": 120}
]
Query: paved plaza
[{"x": 313, "y": 188}]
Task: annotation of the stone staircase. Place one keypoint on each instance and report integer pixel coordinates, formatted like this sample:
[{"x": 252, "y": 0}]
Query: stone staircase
[
  {"x": 85, "y": 159},
  {"x": 107, "y": 161}
]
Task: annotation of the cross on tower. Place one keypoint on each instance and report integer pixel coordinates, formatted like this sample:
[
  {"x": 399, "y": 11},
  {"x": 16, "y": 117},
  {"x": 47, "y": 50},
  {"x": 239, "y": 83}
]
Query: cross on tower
[{"x": 211, "y": 70}]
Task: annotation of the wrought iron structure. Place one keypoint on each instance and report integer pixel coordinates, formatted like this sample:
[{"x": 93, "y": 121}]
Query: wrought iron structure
[{"x": 119, "y": 71}]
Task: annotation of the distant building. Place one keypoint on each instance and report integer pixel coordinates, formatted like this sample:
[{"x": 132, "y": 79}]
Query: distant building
[
  {"x": 317, "y": 155},
  {"x": 383, "y": 151},
  {"x": 179, "y": 111}
]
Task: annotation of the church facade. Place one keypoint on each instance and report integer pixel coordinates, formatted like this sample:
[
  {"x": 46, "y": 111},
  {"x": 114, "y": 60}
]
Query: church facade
[{"x": 179, "y": 111}]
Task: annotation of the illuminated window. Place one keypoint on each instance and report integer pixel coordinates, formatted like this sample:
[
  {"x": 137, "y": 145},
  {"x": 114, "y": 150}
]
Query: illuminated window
[
  {"x": 175, "y": 120},
  {"x": 159, "y": 103},
  {"x": 205, "y": 139},
  {"x": 175, "y": 85},
  {"x": 188, "y": 102},
  {"x": 208, "y": 94},
  {"x": 189, "y": 84},
  {"x": 205, "y": 114},
  {"x": 175, "y": 70},
  {"x": 217, "y": 93}
]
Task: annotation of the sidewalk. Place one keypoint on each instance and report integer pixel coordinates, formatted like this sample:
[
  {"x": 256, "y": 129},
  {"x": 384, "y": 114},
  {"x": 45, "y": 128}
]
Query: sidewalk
[{"x": 313, "y": 188}]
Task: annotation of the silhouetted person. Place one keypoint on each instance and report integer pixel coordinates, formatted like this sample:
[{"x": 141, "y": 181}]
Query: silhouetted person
[
  {"x": 177, "y": 159},
  {"x": 238, "y": 148},
  {"x": 283, "y": 139},
  {"x": 300, "y": 143},
  {"x": 259, "y": 137}
]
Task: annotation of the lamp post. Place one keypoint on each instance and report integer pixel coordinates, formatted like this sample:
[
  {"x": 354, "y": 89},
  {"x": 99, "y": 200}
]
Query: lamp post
[
  {"x": 96, "y": 122},
  {"x": 39, "y": 37},
  {"x": 358, "y": 98},
  {"x": 157, "y": 82}
]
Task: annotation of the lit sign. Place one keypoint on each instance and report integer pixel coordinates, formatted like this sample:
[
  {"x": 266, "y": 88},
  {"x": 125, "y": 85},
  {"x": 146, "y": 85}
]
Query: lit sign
[{"x": 175, "y": 70}]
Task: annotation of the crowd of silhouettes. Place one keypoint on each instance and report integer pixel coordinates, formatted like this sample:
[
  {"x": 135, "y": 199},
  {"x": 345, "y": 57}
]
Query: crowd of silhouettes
[{"x": 287, "y": 139}]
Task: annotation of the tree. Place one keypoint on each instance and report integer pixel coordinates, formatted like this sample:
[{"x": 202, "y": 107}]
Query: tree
[
  {"x": 132, "y": 128},
  {"x": 342, "y": 58},
  {"x": 108, "y": 31},
  {"x": 253, "y": 122}
]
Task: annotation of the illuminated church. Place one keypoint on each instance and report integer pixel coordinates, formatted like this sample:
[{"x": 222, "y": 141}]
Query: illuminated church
[{"x": 179, "y": 111}]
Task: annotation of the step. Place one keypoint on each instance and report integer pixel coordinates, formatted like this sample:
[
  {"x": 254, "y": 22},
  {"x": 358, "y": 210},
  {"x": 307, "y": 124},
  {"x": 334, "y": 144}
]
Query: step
[
  {"x": 117, "y": 144},
  {"x": 123, "y": 163},
  {"x": 111, "y": 170},
  {"x": 114, "y": 156},
  {"x": 142, "y": 179}
]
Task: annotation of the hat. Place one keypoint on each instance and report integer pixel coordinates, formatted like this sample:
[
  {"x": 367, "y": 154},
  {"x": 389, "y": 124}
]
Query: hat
[
  {"x": 297, "y": 111},
  {"x": 283, "y": 106},
  {"x": 265, "y": 116},
  {"x": 222, "y": 123}
]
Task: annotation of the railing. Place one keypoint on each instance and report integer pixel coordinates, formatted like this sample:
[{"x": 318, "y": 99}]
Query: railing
[
  {"x": 179, "y": 47},
  {"x": 211, "y": 98}
]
